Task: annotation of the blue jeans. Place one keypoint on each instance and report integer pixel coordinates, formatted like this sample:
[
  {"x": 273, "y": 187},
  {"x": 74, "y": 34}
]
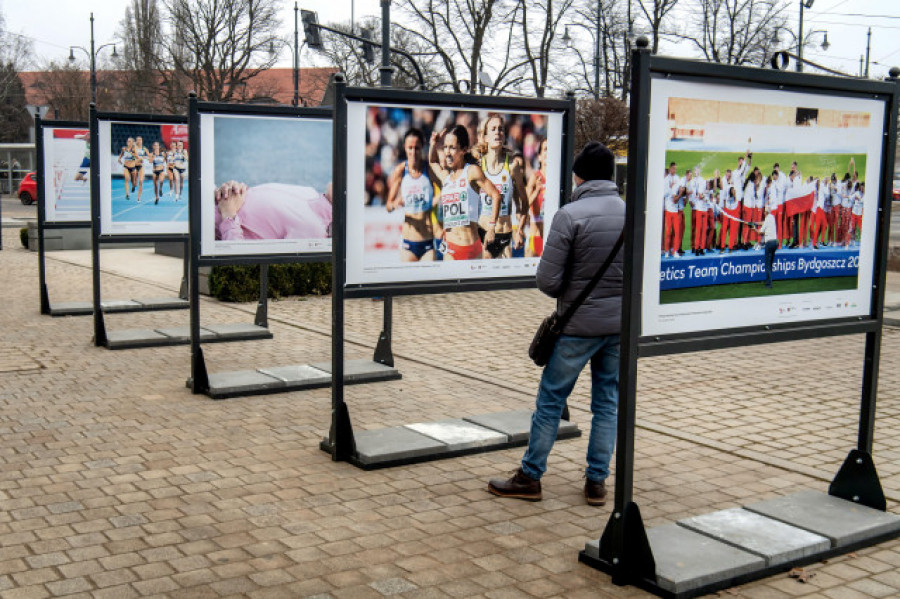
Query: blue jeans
[
  {"x": 566, "y": 363},
  {"x": 771, "y": 246}
]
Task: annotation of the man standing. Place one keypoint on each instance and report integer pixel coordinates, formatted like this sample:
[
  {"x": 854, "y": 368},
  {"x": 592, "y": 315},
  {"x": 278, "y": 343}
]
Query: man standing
[
  {"x": 581, "y": 237},
  {"x": 768, "y": 231}
]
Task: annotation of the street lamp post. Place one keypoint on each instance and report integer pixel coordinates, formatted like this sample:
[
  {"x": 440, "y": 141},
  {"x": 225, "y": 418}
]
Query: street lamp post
[
  {"x": 800, "y": 42},
  {"x": 803, "y": 4},
  {"x": 295, "y": 54},
  {"x": 567, "y": 40},
  {"x": 92, "y": 55},
  {"x": 296, "y": 57}
]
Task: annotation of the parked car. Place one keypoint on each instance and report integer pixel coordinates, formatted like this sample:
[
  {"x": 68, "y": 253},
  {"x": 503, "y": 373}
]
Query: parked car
[
  {"x": 896, "y": 194},
  {"x": 28, "y": 189}
]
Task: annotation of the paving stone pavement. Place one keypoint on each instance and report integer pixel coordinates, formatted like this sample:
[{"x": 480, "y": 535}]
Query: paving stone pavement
[{"x": 116, "y": 482}]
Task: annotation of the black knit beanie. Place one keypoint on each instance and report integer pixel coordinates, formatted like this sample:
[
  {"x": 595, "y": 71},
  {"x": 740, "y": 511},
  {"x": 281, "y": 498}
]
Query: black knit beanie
[{"x": 595, "y": 161}]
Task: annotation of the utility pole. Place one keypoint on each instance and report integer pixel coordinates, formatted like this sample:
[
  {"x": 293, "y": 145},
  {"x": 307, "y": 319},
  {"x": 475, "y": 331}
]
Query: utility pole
[
  {"x": 800, "y": 42},
  {"x": 296, "y": 58},
  {"x": 386, "y": 68},
  {"x": 868, "y": 48}
]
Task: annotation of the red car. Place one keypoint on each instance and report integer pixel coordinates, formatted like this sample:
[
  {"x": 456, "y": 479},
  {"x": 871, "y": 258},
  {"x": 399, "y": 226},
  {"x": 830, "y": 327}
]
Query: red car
[
  {"x": 896, "y": 194},
  {"x": 28, "y": 189}
]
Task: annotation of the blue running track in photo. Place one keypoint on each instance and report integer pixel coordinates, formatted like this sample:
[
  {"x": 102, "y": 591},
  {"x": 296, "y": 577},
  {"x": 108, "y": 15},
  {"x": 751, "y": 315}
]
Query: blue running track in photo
[{"x": 169, "y": 208}]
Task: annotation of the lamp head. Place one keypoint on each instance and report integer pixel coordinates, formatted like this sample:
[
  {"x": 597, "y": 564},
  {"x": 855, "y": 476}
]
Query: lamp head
[
  {"x": 115, "y": 54},
  {"x": 808, "y": 3},
  {"x": 825, "y": 44},
  {"x": 566, "y": 38},
  {"x": 71, "y": 55}
]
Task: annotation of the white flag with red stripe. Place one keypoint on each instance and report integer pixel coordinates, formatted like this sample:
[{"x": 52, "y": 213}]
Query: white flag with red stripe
[{"x": 800, "y": 199}]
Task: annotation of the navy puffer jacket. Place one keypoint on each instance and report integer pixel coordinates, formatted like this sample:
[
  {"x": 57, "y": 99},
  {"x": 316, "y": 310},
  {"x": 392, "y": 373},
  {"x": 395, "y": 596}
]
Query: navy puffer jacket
[{"x": 581, "y": 236}]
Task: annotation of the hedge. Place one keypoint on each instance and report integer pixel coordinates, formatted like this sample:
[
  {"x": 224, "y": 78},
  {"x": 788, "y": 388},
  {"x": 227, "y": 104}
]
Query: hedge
[{"x": 241, "y": 283}]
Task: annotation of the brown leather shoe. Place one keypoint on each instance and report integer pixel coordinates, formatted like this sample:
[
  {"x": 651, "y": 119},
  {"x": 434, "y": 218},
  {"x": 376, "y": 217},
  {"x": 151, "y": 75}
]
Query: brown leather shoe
[
  {"x": 520, "y": 486},
  {"x": 595, "y": 492}
]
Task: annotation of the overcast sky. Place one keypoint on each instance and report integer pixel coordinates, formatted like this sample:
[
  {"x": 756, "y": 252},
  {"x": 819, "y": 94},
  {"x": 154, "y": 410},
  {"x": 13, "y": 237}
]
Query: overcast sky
[{"x": 54, "y": 25}]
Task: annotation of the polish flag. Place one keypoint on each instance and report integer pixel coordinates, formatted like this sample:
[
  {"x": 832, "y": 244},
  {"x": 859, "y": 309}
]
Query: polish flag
[{"x": 799, "y": 199}]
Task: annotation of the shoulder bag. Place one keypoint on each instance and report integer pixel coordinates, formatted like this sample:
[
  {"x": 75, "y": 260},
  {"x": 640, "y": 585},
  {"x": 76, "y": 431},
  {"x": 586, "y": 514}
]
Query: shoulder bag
[{"x": 551, "y": 328}]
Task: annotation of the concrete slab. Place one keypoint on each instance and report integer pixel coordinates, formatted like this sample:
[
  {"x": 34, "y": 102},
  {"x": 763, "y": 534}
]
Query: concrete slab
[
  {"x": 71, "y": 308},
  {"x": 130, "y": 338},
  {"x": 119, "y": 306},
  {"x": 239, "y": 381},
  {"x": 393, "y": 444},
  {"x": 841, "y": 521},
  {"x": 774, "y": 541},
  {"x": 238, "y": 330},
  {"x": 362, "y": 371},
  {"x": 298, "y": 373},
  {"x": 686, "y": 560},
  {"x": 183, "y": 334},
  {"x": 163, "y": 303},
  {"x": 459, "y": 435},
  {"x": 517, "y": 425}
]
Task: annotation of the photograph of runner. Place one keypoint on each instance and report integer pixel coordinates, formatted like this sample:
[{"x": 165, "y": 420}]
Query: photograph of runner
[
  {"x": 66, "y": 168},
  {"x": 761, "y": 206},
  {"x": 132, "y": 172},
  {"x": 439, "y": 186},
  {"x": 266, "y": 184}
]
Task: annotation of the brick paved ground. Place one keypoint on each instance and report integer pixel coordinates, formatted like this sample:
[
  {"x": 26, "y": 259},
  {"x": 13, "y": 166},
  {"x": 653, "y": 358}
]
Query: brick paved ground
[{"x": 116, "y": 482}]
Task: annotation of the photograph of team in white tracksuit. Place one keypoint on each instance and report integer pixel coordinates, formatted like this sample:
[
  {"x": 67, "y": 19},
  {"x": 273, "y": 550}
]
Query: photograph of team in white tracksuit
[{"x": 723, "y": 207}]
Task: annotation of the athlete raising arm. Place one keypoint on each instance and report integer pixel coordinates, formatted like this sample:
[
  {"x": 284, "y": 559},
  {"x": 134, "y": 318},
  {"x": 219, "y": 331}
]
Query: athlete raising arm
[{"x": 461, "y": 184}]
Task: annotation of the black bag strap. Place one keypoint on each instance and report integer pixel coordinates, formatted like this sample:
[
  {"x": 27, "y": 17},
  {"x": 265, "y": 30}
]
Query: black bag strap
[{"x": 565, "y": 316}]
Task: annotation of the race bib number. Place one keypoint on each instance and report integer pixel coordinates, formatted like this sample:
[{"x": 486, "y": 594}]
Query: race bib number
[
  {"x": 454, "y": 210},
  {"x": 488, "y": 202}
]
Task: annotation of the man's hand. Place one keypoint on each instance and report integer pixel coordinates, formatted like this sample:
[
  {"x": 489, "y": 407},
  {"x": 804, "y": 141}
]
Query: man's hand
[{"x": 230, "y": 198}]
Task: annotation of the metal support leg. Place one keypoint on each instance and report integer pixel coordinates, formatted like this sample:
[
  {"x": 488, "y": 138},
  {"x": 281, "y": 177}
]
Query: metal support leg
[
  {"x": 262, "y": 306},
  {"x": 183, "y": 289},
  {"x": 383, "y": 353}
]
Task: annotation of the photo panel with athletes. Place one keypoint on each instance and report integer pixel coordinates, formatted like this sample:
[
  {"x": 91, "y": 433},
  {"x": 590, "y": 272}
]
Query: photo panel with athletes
[
  {"x": 266, "y": 184},
  {"x": 435, "y": 193},
  {"x": 143, "y": 177},
  {"x": 66, "y": 169},
  {"x": 766, "y": 197}
]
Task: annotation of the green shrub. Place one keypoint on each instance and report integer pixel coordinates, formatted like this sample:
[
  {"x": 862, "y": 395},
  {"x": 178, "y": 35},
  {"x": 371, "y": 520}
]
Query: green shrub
[
  {"x": 23, "y": 236},
  {"x": 241, "y": 283}
]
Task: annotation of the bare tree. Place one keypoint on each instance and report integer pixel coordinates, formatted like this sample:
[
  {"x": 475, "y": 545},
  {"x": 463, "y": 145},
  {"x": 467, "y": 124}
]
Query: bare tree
[
  {"x": 216, "y": 46},
  {"x": 460, "y": 33},
  {"x": 66, "y": 89},
  {"x": 349, "y": 56},
  {"x": 138, "y": 76},
  {"x": 604, "y": 120},
  {"x": 608, "y": 20},
  {"x": 736, "y": 31},
  {"x": 539, "y": 22},
  {"x": 15, "y": 52},
  {"x": 655, "y": 12}
]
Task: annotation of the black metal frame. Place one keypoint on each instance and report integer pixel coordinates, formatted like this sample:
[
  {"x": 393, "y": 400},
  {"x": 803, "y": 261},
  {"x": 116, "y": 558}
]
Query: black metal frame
[
  {"x": 97, "y": 236},
  {"x": 42, "y": 223},
  {"x": 199, "y": 380},
  {"x": 624, "y": 550},
  {"x": 340, "y": 442}
]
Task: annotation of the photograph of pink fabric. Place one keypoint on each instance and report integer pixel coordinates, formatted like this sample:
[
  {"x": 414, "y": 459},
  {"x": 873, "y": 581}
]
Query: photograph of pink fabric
[{"x": 272, "y": 211}]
